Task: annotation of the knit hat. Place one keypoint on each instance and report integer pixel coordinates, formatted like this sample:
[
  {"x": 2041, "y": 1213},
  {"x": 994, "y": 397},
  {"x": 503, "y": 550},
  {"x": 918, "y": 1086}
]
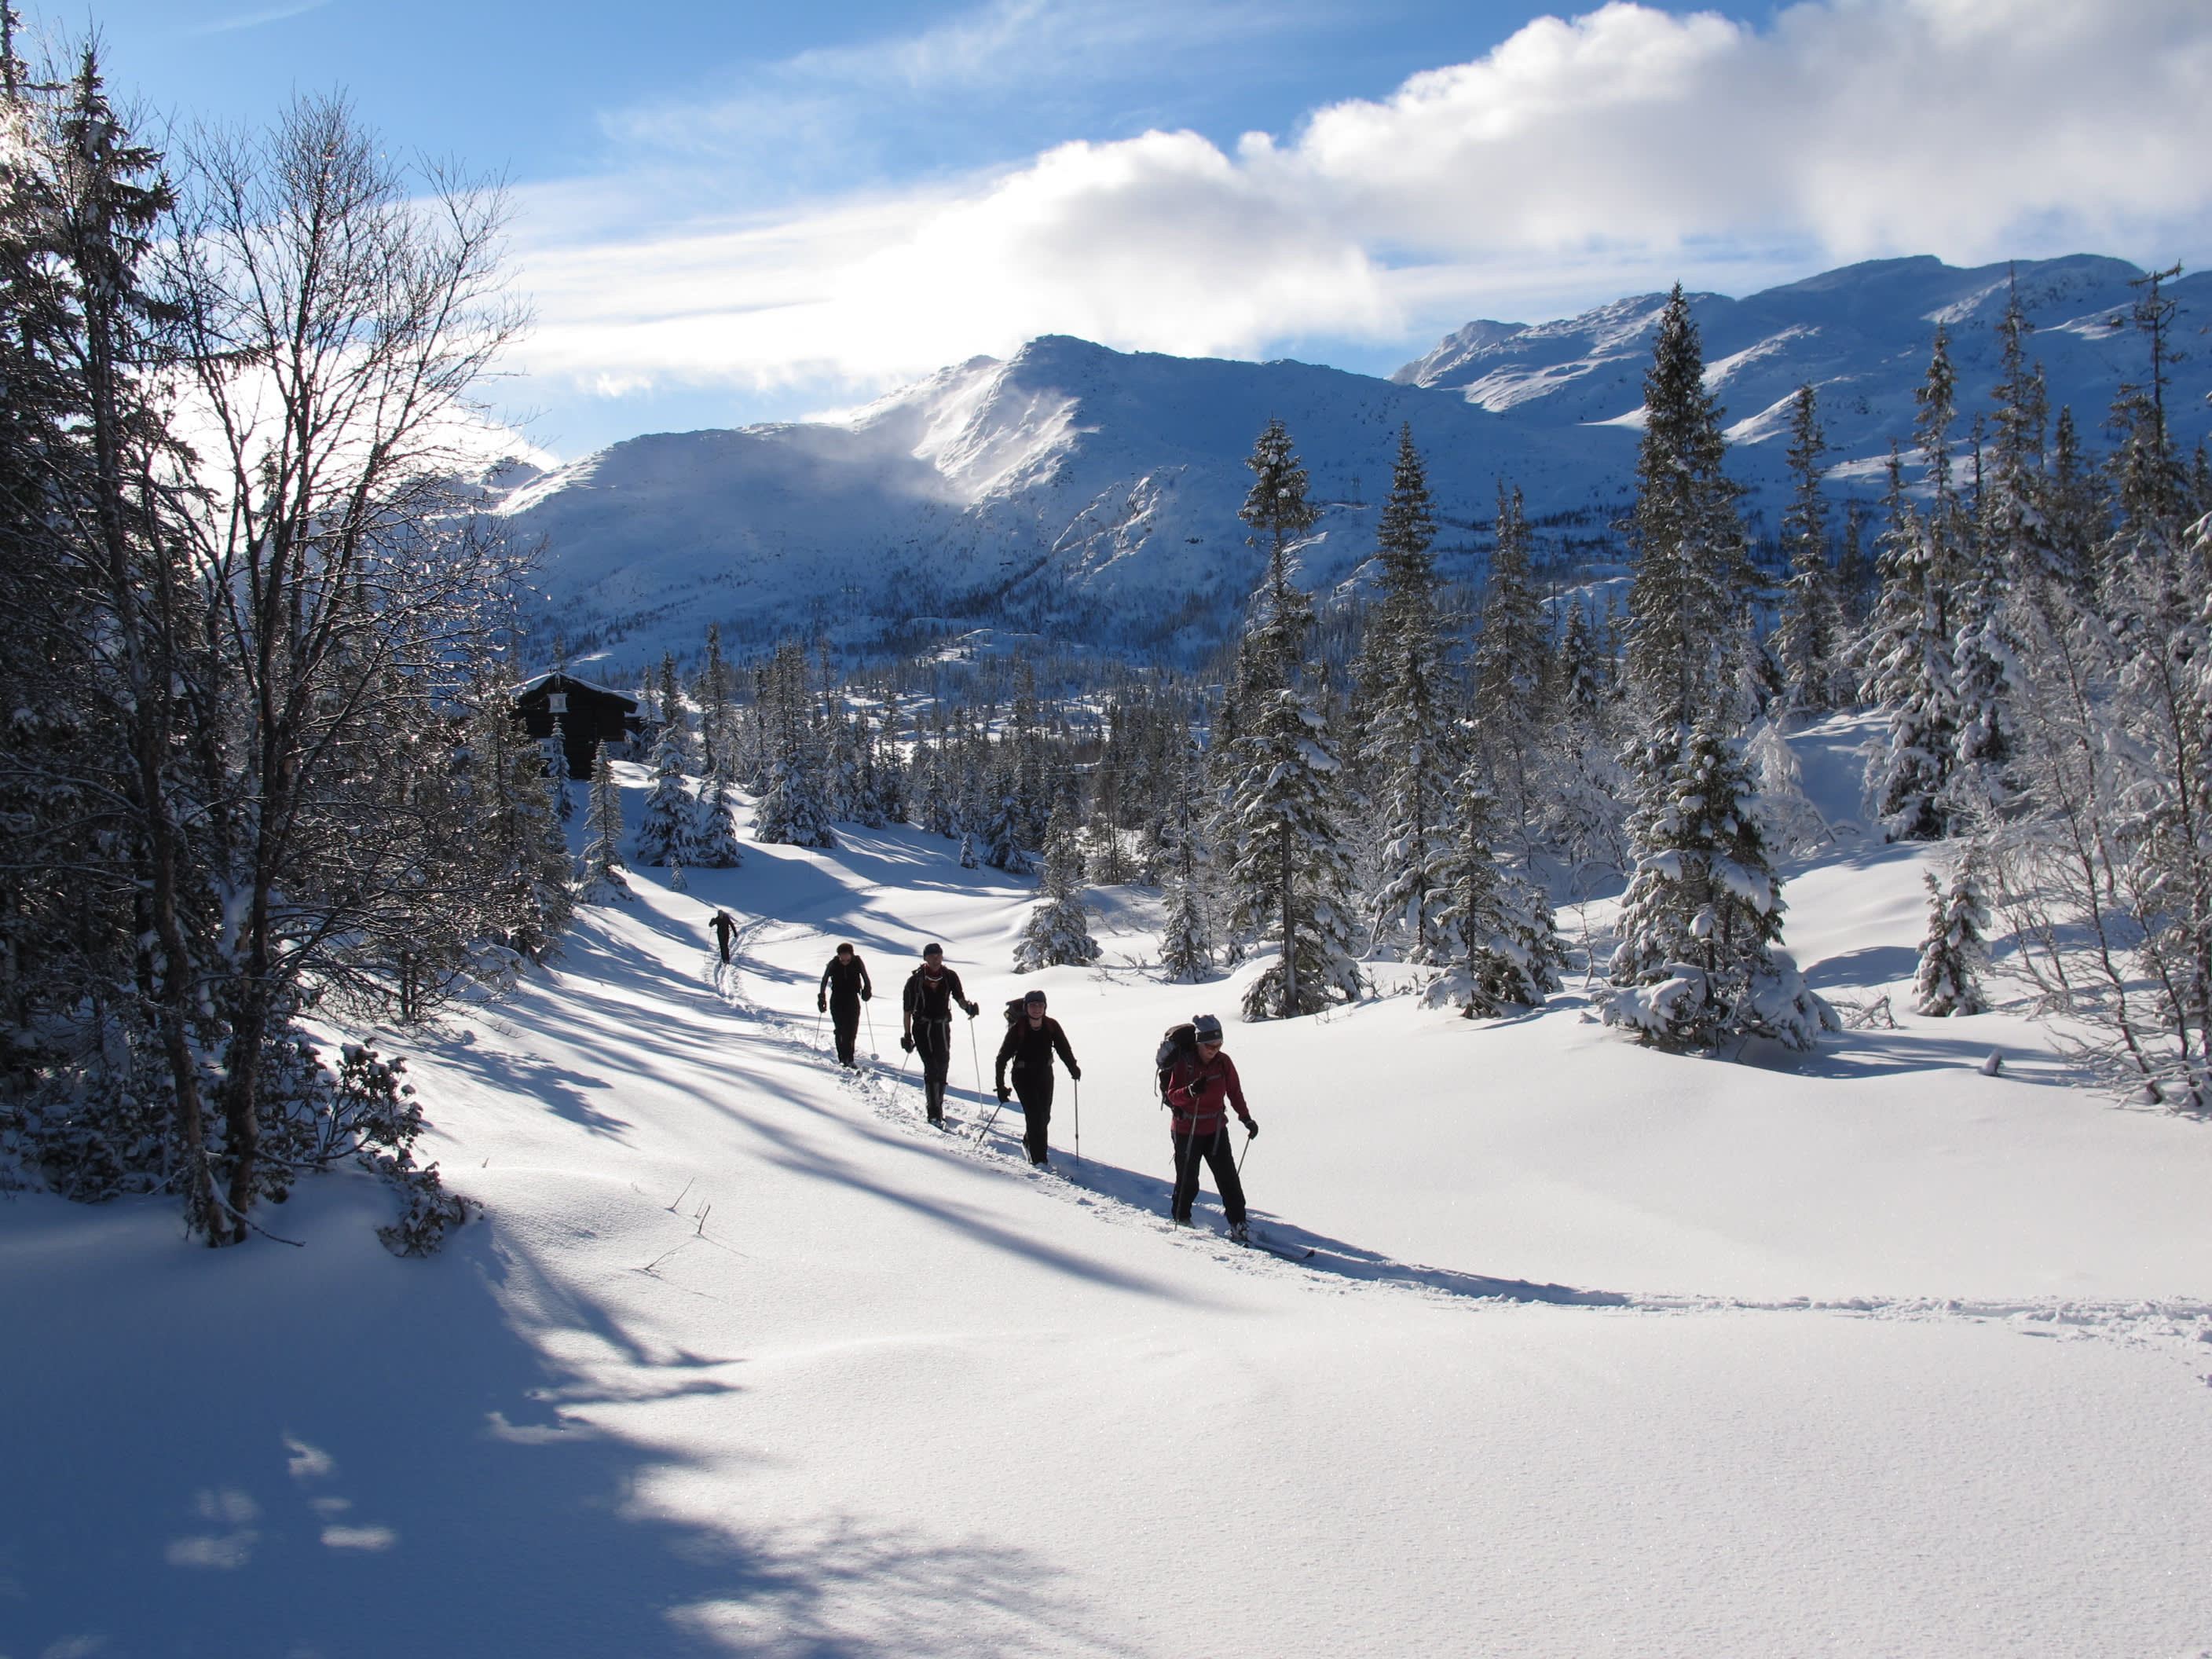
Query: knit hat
[{"x": 1206, "y": 1029}]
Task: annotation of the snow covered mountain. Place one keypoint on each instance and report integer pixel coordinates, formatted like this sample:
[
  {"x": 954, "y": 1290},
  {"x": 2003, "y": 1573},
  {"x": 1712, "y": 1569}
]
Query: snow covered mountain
[
  {"x": 1092, "y": 493},
  {"x": 1070, "y": 489},
  {"x": 1860, "y": 336}
]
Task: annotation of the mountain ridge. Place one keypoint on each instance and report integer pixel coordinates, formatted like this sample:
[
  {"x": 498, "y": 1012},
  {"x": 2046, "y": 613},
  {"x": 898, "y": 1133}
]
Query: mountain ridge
[{"x": 1076, "y": 490}]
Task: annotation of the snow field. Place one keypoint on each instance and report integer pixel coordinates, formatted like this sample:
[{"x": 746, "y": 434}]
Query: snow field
[{"x": 1600, "y": 1351}]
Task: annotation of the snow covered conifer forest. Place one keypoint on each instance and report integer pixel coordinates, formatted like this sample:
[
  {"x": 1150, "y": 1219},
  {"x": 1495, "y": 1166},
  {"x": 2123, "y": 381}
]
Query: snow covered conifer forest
[{"x": 1717, "y": 951}]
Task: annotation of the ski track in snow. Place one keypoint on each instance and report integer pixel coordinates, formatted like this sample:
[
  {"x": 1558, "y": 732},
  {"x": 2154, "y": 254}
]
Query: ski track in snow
[{"x": 2178, "y": 1327}]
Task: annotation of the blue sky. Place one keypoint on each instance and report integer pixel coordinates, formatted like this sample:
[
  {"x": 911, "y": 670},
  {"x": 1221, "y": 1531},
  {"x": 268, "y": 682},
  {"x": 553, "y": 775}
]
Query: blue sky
[{"x": 738, "y": 211}]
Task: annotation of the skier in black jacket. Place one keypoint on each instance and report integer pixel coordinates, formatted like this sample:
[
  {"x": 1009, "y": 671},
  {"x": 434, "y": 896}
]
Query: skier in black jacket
[
  {"x": 931, "y": 991},
  {"x": 844, "y": 987},
  {"x": 1032, "y": 1036}
]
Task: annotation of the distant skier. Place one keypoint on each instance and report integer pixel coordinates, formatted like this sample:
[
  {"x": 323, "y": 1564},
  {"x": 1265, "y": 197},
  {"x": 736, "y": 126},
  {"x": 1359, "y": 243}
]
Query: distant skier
[
  {"x": 1031, "y": 1036},
  {"x": 1199, "y": 1086},
  {"x": 725, "y": 929},
  {"x": 843, "y": 988},
  {"x": 931, "y": 991}
]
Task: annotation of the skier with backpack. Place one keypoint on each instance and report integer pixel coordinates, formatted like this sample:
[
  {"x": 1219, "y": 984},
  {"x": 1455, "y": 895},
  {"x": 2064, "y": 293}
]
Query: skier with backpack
[
  {"x": 1031, "y": 1036},
  {"x": 931, "y": 991},
  {"x": 726, "y": 927},
  {"x": 844, "y": 987},
  {"x": 1200, "y": 1084}
]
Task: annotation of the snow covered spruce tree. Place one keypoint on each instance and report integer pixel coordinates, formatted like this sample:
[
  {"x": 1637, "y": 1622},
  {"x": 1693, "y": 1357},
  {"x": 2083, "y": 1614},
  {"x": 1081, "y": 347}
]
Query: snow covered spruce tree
[
  {"x": 1809, "y": 639},
  {"x": 1057, "y": 930},
  {"x": 599, "y": 875},
  {"x": 666, "y": 831},
  {"x": 1956, "y": 952},
  {"x": 1788, "y": 820},
  {"x": 668, "y": 698},
  {"x": 717, "y": 714},
  {"x": 1006, "y": 820},
  {"x": 1699, "y": 925},
  {"x": 1291, "y": 875},
  {"x": 1911, "y": 667},
  {"x": 1186, "y": 941},
  {"x": 712, "y": 837},
  {"x": 516, "y": 821},
  {"x": 553, "y": 751},
  {"x": 1510, "y": 716},
  {"x": 1685, "y": 616},
  {"x": 1581, "y": 786},
  {"x": 1412, "y": 746},
  {"x": 794, "y": 807},
  {"x": 1504, "y": 948},
  {"x": 1186, "y": 949}
]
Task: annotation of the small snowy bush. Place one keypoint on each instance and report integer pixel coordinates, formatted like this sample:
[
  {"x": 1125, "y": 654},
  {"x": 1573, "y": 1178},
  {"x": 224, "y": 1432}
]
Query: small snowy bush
[{"x": 1953, "y": 954}]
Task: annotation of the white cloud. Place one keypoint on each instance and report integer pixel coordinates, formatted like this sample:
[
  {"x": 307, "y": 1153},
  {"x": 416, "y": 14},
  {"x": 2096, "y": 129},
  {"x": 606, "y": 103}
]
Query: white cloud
[
  {"x": 846, "y": 99},
  {"x": 254, "y": 20},
  {"x": 1626, "y": 144}
]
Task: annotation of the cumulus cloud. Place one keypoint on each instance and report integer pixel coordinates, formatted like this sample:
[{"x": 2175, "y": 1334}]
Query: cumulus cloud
[{"x": 1615, "y": 147}]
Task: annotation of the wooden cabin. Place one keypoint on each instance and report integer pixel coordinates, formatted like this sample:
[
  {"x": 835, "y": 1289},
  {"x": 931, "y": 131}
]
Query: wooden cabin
[{"x": 588, "y": 715}]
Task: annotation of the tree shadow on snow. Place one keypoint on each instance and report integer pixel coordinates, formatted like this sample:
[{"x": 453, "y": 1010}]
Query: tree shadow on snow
[
  {"x": 333, "y": 1453},
  {"x": 1869, "y": 966}
]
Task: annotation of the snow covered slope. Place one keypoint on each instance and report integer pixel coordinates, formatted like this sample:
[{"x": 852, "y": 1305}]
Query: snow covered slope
[
  {"x": 1599, "y": 1351},
  {"x": 1092, "y": 495}
]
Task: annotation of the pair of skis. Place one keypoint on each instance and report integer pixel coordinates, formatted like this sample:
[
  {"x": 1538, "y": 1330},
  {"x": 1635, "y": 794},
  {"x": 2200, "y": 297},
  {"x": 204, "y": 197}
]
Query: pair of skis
[{"x": 1255, "y": 1240}]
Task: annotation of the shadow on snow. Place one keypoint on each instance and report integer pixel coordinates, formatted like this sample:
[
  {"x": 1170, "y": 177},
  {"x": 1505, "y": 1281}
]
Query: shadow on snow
[{"x": 416, "y": 1479}]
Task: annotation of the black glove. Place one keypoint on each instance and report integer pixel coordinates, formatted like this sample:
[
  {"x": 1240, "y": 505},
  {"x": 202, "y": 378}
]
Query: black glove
[
  {"x": 1004, "y": 1094},
  {"x": 1076, "y": 1072},
  {"x": 867, "y": 996},
  {"x": 1250, "y": 1128},
  {"x": 973, "y": 1008},
  {"x": 907, "y": 1042},
  {"x": 822, "y": 1005}
]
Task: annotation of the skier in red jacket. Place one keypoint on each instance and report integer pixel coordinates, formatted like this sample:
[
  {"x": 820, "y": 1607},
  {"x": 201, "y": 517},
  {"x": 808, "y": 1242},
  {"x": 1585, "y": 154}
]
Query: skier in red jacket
[{"x": 1200, "y": 1090}]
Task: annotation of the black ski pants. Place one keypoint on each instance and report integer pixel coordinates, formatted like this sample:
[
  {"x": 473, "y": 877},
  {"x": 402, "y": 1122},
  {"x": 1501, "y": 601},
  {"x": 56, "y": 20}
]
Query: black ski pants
[
  {"x": 1036, "y": 1113},
  {"x": 845, "y": 1020},
  {"x": 933, "y": 1041},
  {"x": 1215, "y": 1150}
]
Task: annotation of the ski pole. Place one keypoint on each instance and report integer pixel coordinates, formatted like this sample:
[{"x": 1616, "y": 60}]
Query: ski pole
[
  {"x": 989, "y": 1121},
  {"x": 975, "y": 1064},
  {"x": 1241, "y": 1156},
  {"x": 1079, "y": 1120},
  {"x": 871, "y": 1014},
  {"x": 817, "y": 1029}
]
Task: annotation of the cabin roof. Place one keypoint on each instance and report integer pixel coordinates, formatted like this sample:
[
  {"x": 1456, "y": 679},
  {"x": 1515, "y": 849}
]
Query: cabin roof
[{"x": 557, "y": 680}]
